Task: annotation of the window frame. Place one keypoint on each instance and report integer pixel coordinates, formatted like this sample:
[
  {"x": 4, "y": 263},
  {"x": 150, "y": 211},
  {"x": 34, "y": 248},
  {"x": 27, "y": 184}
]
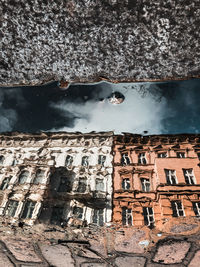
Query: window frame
[
  {"x": 125, "y": 159},
  {"x": 197, "y": 208},
  {"x": 162, "y": 153},
  {"x": 85, "y": 159},
  {"x": 142, "y": 158},
  {"x": 189, "y": 176},
  {"x": 70, "y": 160},
  {"x": 169, "y": 176},
  {"x": 145, "y": 181},
  {"x": 30, "y": 210},
  {"x": 179, "y": 153},
  {"x": 7, "y": 184},
  {"x": 39, "y": 173},
  {"x": 101, "y": 160},
  {"x": 124, "y": 182},
  {"x": 98, "y": 221},
  {"x": 149, "y": 219},
  {"x": 127, "y": 212},
  {"x": 15, "y": 207},
  {"x": 21, "y": 175},
  {"x": 175, "y": 207},
  {"x": 102, "y": 182}
]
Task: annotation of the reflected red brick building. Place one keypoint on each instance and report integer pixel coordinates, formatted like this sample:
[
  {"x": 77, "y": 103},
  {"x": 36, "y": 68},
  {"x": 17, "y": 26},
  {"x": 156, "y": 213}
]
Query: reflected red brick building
[{"x": 155, "y": 178}]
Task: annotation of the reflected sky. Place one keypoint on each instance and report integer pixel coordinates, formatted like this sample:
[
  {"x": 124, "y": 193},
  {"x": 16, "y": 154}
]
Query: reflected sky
[{"x": 153, "y": 108}]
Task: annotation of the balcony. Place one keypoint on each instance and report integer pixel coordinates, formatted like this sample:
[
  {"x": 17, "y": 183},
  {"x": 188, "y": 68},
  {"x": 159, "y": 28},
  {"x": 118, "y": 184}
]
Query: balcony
[
  {"x": 88, "y": 194},
  {"x": 73, "y": 195},
  {"x": 99, "y": 194}
]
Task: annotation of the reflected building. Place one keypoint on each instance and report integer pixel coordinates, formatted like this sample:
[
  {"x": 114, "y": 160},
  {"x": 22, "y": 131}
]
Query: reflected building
[
  {"x": 155, "y": 178},
  {"x": 57, "y": 178},
  {"x": 79, "y": 179}
]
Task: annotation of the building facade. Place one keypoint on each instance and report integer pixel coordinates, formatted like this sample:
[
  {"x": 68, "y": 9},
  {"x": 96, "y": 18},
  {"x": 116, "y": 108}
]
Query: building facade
[
  {"x": 56, "y": 178},
  {"x": 79, "y": 179},
  {"x": 155, "y": 178}
]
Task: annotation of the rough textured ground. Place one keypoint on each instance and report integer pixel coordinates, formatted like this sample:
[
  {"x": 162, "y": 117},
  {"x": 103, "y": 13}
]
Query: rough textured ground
[
  {"x": 79, "y": 40},
  {"x": 91, "y": 246}
]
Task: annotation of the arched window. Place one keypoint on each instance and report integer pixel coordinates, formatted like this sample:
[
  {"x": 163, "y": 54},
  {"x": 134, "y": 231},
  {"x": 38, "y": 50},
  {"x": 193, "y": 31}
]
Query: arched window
[{"x": 23, "y": 177}]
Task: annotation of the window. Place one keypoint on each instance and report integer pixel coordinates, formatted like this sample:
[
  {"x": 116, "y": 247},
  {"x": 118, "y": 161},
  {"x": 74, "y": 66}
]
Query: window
[
  {"x": 171, "y": 176},
  {"x": 189, "y": 176},
  {"x": 1, "y": 160},
  {"x": 148, "y": 216},
  {"x": 180, "y": 155},
  {"x": 78, "y": 212},
  {"x": 65, "y": 185},
  {"x": 38, "y": 177},
  {"x": 177, "y": 208},
  {"x": 101, "y": 160},
  {"x": 127, "y": 216},
  {"x": 68, "y": 161},
  {"x": 125, "y": 159},
  {"x": 126, "y": 183},
  {"x": 162, "y": 155},
  {"x": 11, "y": 208},
  {"x": 99, "y": 184},
  {"x": 82, "y": 185},
  {"x": 5, "y": 183},
  {"x": 196, "y": 208},
  {"x": 142, "y": 158},
  {"x": 23, "y": 177},
  {"x": 145, "y": 184},
  {"x": 28, "y": 210},
  {"x": 87, "y": 143},
  {"x": 85, "y": 161},
  {"x": 98, "y": 217}
]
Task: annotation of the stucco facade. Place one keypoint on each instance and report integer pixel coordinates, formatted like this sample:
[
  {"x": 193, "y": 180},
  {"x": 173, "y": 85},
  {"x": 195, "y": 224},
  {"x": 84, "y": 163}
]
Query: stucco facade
[
  {"x": 56, "y": 177},
  {"x": 155, "y": 178}
]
